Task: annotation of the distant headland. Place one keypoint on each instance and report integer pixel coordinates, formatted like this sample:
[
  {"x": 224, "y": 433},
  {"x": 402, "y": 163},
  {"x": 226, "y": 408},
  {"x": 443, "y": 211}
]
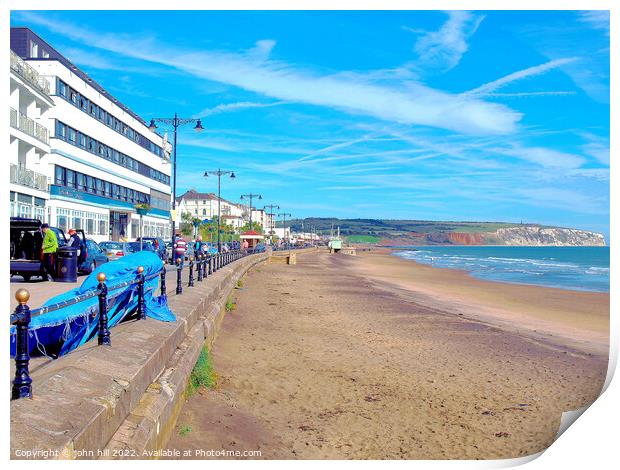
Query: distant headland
[{"x": 425, "y": 232}]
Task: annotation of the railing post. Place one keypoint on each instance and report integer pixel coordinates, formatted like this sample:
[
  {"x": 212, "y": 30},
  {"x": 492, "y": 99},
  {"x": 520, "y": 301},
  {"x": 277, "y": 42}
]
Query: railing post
[
  {"x": 191, "y": 272},
  {"x": 162, "y": 279},
  {"x": 104, "y": 332},
  {"x": 199, "y": 265},
  {"x": 215, "y": 256},
  {"x": 22, "y": 384},
  {"x": 179, "y": 268},
  {"x": 141, "y": 306}
]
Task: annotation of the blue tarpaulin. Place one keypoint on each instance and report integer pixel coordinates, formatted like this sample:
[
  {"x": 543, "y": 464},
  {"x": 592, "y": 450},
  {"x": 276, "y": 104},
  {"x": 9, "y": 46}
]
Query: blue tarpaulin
[{"x": 60, "y": 331}]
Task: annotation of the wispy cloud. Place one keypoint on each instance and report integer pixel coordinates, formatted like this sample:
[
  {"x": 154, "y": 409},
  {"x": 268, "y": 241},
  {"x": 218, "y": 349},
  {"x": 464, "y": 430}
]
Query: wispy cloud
[
  {"x": 598, "y": 19},
  {"x": 519, "y": 75},
  {"x": 419, "y": 105},
  {"x": 444, "y": 48},
  {"x": 544, "y": 157},
  {"x": 229, "y": 107}
]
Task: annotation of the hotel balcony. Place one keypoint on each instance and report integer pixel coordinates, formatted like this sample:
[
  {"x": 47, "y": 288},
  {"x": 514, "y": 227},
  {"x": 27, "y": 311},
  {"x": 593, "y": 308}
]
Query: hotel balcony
[
  {"x": 28, "y": 126},
  {"x": 21, "y": 68},
  {"x": 24, "y": 177}
]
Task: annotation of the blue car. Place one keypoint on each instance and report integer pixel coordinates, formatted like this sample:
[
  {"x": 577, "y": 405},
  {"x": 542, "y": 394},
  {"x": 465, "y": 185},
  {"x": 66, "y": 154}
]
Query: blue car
[{"x": 91, "y": 257}]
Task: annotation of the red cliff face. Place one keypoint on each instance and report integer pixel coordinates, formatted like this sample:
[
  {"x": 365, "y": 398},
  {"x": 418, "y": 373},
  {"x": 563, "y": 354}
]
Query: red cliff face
[{"x": 459, "y": 238}]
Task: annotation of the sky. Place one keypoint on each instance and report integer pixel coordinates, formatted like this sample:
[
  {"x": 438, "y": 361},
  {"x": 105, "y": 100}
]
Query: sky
[{"x": 434, "y": 115}]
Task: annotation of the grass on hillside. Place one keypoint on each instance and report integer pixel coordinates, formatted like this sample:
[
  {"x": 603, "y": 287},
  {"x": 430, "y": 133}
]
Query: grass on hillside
[
  {"x": 203, "y": 374},
  {"x": 185, "y": 430},
  {"x": 362, "y": 239}
]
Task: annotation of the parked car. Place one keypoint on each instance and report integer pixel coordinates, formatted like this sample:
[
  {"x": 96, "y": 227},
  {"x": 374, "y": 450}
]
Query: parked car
[
  {"x": 114, "y": 250},
  {"x": 134, "y": 247},
  {"x": 158, "y": 244},
  {"x": 92, "y": 256},
  {"x": 26, "y": 242}
]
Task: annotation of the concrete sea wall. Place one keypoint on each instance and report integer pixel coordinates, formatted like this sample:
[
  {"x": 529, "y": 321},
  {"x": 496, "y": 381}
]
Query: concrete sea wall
[{"x": 122, "y": 401}]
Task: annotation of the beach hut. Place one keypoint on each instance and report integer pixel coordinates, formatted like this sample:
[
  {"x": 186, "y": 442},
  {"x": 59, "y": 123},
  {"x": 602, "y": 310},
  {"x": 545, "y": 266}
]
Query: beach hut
[{"x": 253, "y": 238}]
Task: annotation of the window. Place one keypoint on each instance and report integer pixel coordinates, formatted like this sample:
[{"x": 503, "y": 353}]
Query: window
[
  {"x": 72, "y": 135},
  {"x": 34, "y": 49},
  {"x": 45, "y": 54},
  {"x": 102, "y": 114},
  {"x": 204, "y": 212},
  {"x": 62, "y": 89},
  {"x": 108, "y": 189},
  {"x": 81, "y": 182},
  {"x": 92, "y": 144},
  {"x": 90, "y": 184},
  {"x": 115, "y": 156},
  {"x": 59, "y": 174},
  {"x": 99, "y": 186},
  {"x": 82, "y": 140},
  {"x": 74, "y": 97},
  {"x": 90, "y": 226},
  {"x": 94, "y": 111},
  {"x": 70, "y": 178},
  {"x": 84, "y": 104},
  {"x": 103, "y": 227},
  {"x": 61, "y": 130}
]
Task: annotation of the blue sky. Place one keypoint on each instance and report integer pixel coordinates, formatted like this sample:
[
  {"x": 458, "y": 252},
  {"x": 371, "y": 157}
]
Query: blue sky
[{"x": 488, "y": 116}]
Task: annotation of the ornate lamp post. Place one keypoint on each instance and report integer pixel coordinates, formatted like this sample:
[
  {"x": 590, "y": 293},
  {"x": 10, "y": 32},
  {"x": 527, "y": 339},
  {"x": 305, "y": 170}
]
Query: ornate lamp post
[
  {"x": 175, "y": 122},
  {"x": 219, "y": 173},
  {"x": 250, "y": 196}
]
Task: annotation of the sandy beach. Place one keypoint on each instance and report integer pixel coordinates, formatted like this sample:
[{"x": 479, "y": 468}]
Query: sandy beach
[{"x": 374, "y": 357}]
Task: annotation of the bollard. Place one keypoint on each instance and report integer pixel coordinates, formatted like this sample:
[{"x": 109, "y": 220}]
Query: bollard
[
  {"x": 141, "y": 306},
  {"x": 22, "y": 384},
  {"x": 162, "y": 279},
  {"x": 215, "y": 256},
  {"x": 104, "y": 332},
  {"x": 191, "y": 272},
  {"x": 199, "y": 266},
  {"x": 179, "y": 268}
]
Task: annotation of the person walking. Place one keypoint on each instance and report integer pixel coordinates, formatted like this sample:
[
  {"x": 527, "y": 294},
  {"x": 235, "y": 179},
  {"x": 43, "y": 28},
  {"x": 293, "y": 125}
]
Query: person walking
[
  {"x": 245, "y": 245},
  {"x": 180, "y": 247},
  {"x": 49, "y": 249},
  {"x": 198, "y": 249}
]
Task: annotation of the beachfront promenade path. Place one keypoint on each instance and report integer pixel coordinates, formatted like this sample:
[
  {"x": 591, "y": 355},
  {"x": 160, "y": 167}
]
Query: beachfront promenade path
[{"x": 319, "y": 362}]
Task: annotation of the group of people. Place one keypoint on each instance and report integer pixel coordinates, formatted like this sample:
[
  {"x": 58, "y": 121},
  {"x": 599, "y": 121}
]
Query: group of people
[
  {"x": 49, "y": 248},
  {"x": 179, "y": 247}
]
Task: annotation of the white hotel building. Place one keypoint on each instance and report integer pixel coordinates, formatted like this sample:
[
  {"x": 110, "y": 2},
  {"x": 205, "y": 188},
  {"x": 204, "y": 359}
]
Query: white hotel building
[{"x": 102, "y": 158}]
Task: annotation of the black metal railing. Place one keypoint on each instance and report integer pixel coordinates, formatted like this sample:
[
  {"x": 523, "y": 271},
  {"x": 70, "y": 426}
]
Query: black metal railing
[{"x": 204, "y": 265}]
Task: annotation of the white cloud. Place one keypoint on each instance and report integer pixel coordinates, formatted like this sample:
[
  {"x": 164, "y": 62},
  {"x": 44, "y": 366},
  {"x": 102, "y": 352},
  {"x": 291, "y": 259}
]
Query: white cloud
[
  {"x": 419, "y": 105},
  {"x": 445, "y": 47},
  {"x": 229, "y": 107},
  {"x": 598, "y": 19},
  {"x": 520, "y": 75},
  {"x": 544, "y": 157}
]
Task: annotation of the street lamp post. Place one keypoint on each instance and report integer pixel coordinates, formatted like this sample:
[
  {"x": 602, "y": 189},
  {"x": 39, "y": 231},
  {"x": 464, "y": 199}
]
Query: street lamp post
[
  {"x": 219, "y": 173},
  {"x": 250, "y": 196},
  {"x": 175, "y": 122},
  {"x": 271, "y": 208},
  {"x": 284, "y": 215}
]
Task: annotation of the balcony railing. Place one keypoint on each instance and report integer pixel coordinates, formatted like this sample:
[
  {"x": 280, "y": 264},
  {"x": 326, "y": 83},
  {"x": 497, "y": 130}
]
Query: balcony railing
[
  {"x": 29, "y": 126},
  {"x": 29, "y": 74},
  {"x": 29, "y": 178}
]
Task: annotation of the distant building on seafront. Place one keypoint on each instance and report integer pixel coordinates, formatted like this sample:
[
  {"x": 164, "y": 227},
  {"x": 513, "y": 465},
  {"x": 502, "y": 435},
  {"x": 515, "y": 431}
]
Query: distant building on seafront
[
  {"x": 205, "y": 206},
  {"x": 79, "y": 157}
]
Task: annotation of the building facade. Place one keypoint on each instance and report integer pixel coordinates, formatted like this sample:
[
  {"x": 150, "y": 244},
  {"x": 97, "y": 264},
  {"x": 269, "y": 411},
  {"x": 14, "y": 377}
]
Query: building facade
[
  {"x": 30, "y": 103},
  {"x": 205, "y": 206},
  {"x": 103, "y": 160}
]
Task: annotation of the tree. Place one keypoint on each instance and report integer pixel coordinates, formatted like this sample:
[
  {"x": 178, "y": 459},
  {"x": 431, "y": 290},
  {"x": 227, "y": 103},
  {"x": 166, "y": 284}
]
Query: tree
[{"x": 256, "y": 226}]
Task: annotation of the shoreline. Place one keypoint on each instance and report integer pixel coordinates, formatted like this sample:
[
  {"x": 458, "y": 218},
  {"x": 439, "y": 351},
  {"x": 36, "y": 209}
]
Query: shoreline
[
  {"x": 563, "y": 317},
  {"x": 469, "y": 273}
]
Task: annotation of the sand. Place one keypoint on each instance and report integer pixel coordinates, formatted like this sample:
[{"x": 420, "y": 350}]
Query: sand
[{"x": 372, "y": 357}]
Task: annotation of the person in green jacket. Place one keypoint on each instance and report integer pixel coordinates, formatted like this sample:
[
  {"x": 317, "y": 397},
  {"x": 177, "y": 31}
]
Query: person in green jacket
[{"x": 50, "y": 247}]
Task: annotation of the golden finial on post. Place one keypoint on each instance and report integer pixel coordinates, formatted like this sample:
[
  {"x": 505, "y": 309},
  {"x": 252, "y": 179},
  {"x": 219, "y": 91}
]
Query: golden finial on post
[
  {"x": 140, "y": 269},
  {"x": 101, "y": 277},
  {"x": 191, "y": 258},
  {"x": 22, "y": 296},
  {"x": 178, "y": 261}
]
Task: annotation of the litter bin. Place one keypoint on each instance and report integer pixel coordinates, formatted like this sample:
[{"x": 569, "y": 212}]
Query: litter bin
[{"x": 66, "y": 269}]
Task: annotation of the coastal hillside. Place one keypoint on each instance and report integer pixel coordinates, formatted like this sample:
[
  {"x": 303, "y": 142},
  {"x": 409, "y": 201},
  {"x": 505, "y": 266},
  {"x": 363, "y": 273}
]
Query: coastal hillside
[{"x": 424, "y": 232}]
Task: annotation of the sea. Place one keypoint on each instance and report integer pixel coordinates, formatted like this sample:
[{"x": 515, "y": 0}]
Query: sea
[{"x": 584, "y": 268}]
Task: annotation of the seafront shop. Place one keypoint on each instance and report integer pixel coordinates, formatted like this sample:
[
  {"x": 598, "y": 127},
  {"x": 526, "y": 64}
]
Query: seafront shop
[{"x": 103, "y": 218}]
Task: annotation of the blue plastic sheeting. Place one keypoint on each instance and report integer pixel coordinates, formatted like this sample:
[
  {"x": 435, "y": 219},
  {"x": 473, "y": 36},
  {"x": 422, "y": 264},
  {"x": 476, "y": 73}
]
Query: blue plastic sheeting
[{"x": 56, "y": 333}]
